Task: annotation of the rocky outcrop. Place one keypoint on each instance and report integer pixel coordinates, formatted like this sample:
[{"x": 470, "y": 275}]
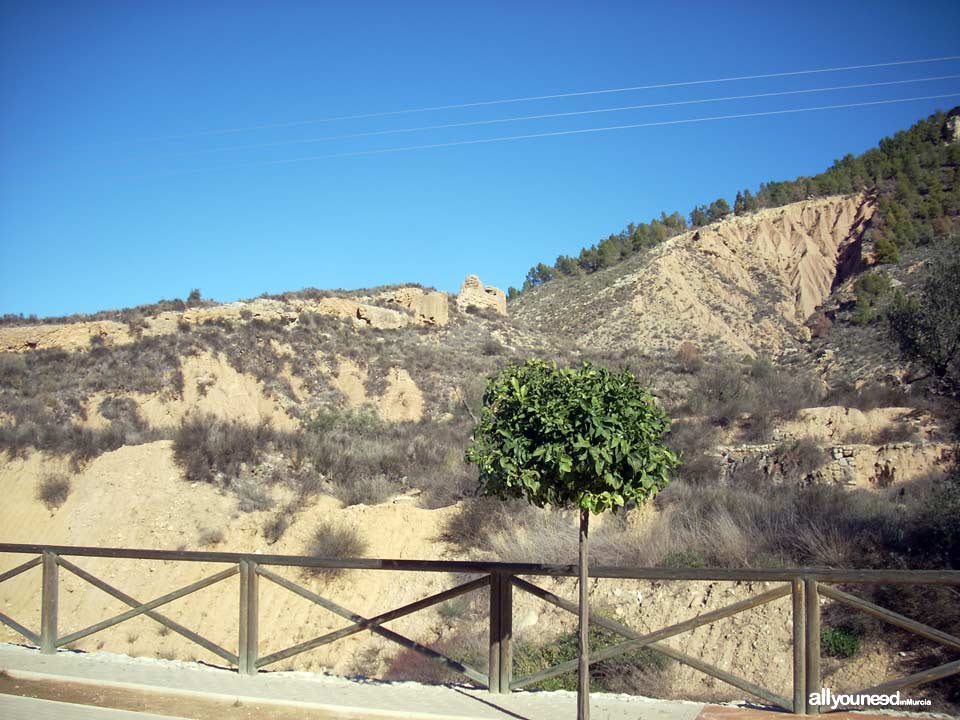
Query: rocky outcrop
[
  {"x": 429, "y": 307},
  {"x": 474, "y": 294},
  {"x": 951, "y": 128}
]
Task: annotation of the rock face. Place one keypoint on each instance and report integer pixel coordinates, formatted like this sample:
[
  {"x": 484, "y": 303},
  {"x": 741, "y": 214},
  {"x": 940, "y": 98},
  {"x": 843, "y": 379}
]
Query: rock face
[
  {"x": 429, "y": 307},
  {"x": 744, "y": 285},
  {"x": 474, "y": 294},
  {"x": 951, "y": 129}
]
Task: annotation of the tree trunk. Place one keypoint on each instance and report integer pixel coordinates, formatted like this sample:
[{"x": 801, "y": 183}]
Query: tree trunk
[{"x": 583, "y": 685}]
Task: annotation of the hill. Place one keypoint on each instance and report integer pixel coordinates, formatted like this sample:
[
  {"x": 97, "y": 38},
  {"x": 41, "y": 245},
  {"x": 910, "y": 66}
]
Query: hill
[{"x": 291, "y": 422}]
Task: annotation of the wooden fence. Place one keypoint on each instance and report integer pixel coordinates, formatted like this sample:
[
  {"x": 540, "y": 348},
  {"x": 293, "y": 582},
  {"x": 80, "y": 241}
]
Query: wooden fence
[{"x": 805, "y": 586}]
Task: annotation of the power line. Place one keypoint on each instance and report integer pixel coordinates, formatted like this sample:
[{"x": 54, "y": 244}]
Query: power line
[
  {"x": 557, "y": 133},
  {"x": 522, "y": 118},
  {"x": 556, "y": 96}
]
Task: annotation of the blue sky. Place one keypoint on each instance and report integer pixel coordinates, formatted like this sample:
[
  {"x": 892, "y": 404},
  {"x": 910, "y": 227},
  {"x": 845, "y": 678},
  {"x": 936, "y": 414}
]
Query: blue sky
[{"x": 126, "y": 172}]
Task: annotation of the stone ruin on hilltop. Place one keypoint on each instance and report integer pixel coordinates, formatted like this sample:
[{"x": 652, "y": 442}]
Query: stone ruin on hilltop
[{"x": 474, "y": 294}]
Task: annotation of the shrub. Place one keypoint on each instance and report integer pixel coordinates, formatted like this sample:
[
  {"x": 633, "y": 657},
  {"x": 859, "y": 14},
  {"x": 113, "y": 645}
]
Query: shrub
[
  {"x": 251, "y": 494},
  {"x": 210, "y": 450},
  {"x": 692, "y": 440},
  {"x": 491, "y": 347},
  {"x": 839, "y": 642},
  {"x": 821, "y": 325},
  {"x": 210, "y": 536},
  {"x": 801, "y": 459},
  {"x": 412, "y": 666},
  {"x": 606, "y": 675},
  {"x": 53, "y": 490},
  {"x": 689, "y": 358},
  {"x": 722, "y": 392},
  {"x": 871, "y": 291},
  {"x": 894, "y": 433},
  {"x": 334, "y": 541},
  {"x": 365, "y": 490},
  {"x": 927, "y": 327},
  {"x": 276, "y": 527}
]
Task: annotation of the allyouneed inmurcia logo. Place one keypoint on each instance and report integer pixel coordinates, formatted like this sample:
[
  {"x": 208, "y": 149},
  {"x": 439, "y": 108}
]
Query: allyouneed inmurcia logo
[{"x": 827, "y": 698}]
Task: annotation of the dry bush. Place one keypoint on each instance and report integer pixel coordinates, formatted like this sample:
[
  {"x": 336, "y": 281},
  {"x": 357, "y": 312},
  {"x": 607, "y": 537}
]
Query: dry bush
[
  {"x": 365, "y": 490},
  {"x": 53, "y": 490},
  {"x": 894, "y": 433},
  {"x": 820, "y": 327},
  {"x": 274, "y": 529},
  {"x": 873, "y": 395},
  {"x": 251, "y": 494},
  {"x": 210, "y": 450},
  {"x": 492, "y": 347},
  {"x": 721, "y": 392},
  {"x": 801, "y": 458},
  {"x": 79, "y": 443},
  {"x": 689, "y": 358},
  {"x": 752, "y": 395},
  {"x": 463, "y": 646},
  {"x": 737, "y": 526},
  {"x": 209, "y": 537},
  {"x": 692, "y": 440},
  {"x": 514, "y": 531},
  {"x": 367, "y": 459},
  {"x": 330, "y": 540}
]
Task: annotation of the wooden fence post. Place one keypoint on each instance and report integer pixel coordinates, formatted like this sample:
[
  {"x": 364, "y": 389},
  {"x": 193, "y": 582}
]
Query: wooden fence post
[
  {"x": 48, "y": 603},
  {"x": 506, "y": 632},
  {"x": 501, "y": 631},
  {"x": 812, "y": 603},
  {"x": 496, "y": 612},
  {"x": 249, "y": 611},
  {"x": 799, "y": 650}
]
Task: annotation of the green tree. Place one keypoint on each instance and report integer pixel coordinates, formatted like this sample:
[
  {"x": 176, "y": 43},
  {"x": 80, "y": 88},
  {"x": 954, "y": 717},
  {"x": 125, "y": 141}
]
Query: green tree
[
  {"x": 718, "y": 209},
  {"x": 567, "y": 265},
  {"x": 698, "y": 216},
  {"x": 871, "y": 290},
  {"x": 739, "y": 204},
  {"x": 540, "y": 274},
  {"x": 886, "y": 250},
  {"x": 927, "y": 327},
  {"x": 584, "y": 437}
]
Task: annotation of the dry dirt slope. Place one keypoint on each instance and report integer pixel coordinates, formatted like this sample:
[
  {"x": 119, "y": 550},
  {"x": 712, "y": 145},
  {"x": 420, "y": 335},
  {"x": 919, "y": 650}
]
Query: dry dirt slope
[
  {"x": 134, "y": 497},
  {"x": 742, "y": 285}
]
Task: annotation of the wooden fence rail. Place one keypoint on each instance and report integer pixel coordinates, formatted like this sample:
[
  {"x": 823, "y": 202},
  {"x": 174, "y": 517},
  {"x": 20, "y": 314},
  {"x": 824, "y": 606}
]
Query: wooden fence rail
[{"x": 805, "y": 586}]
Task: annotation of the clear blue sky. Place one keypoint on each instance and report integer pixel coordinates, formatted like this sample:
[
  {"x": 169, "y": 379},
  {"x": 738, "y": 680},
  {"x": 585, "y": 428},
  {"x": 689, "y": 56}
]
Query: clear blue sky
[{"x": 117, "y": 186}]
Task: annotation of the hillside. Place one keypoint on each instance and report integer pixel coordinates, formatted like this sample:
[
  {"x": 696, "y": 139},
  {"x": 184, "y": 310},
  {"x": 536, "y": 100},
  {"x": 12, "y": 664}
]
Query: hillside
[
  {"x": 289, "y": 422},
  {"x": 744, "y": 285}
]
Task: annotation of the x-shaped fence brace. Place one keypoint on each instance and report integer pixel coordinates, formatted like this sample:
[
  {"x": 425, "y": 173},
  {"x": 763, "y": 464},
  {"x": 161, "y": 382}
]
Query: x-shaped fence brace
[
  {"x": 374, "y": 624},
  {"x": 805, "y": 588},
  {"x": 635, "y": 640},
  {"x": 917, "y": 628}
]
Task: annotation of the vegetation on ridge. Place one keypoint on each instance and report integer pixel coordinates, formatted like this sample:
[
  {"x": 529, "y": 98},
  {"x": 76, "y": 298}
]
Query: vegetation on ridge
[{"x": 915, "y": 176}]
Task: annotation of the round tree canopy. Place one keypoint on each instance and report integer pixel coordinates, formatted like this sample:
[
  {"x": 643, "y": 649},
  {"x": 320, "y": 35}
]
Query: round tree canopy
[{"x": 583, "y": 436}]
